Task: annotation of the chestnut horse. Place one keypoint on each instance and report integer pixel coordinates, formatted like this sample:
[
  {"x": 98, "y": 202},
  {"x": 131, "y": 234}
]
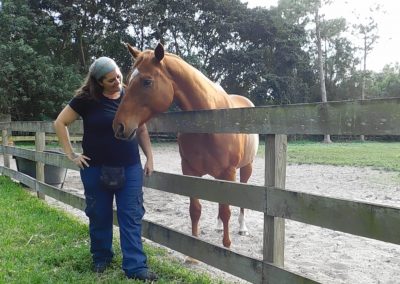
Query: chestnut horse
[{"x": 158, "y": 79}]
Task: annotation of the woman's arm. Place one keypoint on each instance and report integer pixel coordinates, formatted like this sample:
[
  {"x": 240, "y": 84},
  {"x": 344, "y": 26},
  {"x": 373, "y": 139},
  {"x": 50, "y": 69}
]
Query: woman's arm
[
  {"x": 143, "y": 139},
  {"x": 64, "y": 119}
]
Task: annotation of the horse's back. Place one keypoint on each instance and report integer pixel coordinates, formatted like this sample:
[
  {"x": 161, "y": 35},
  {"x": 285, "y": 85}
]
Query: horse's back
[
  {"x": 251, "y": 141},
  {"x": 240, "y": 101}
]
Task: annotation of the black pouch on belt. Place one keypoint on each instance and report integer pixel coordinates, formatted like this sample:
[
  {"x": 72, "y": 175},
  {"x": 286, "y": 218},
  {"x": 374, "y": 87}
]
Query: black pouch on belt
[{"x": 112, "y": 178}]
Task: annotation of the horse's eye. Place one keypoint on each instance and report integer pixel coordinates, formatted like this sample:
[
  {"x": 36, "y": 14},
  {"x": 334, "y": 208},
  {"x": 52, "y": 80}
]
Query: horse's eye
[{"x": 147, "y": 82}]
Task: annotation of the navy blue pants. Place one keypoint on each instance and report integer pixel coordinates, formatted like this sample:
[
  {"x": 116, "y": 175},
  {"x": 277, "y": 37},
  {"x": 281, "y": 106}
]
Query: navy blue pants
[{"x": 130, "y": 211}]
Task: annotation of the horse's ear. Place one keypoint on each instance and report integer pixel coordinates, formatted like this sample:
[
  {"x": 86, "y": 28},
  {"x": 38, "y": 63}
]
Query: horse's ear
[
  {"x": 133, "y": 51},
  {"x": 159, "y": 52}
]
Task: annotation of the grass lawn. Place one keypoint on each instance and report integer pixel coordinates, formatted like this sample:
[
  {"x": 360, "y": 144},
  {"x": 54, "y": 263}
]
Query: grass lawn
[
  {"x": 378, "y": 155},
  {"x": 40, "y": 244}
]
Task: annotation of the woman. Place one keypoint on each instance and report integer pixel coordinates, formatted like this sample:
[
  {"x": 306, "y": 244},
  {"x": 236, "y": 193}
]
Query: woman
[{"x": 109, "y": 167}]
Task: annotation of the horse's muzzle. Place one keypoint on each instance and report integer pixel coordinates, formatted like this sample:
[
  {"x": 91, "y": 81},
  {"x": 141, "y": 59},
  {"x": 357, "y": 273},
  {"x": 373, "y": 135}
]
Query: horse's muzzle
[{"x": 119, "y": 132}]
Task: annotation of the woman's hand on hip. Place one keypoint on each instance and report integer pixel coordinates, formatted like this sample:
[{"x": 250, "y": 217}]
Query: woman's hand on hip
[{"x": 79, "y": 159}]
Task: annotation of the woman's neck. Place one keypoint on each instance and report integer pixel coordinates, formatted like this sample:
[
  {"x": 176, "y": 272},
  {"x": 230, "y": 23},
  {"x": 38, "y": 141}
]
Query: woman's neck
[{"x": 112, "y": 96}]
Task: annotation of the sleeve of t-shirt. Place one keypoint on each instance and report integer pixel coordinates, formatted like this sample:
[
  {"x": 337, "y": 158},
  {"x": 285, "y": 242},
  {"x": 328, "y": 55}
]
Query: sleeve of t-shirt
[{"x": 78, "y": 105}]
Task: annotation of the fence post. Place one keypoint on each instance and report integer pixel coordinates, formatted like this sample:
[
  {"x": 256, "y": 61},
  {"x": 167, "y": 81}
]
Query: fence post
[
  {"x": 40, "y": 142},
  {"x": 275, "y": 176},
  {"x": 4, "y": 137}
]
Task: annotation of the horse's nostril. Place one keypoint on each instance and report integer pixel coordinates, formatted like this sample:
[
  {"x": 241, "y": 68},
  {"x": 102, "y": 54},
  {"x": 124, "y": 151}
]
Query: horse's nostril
[
  {"x": 121, "y": 128},
  {"x": 119, "y": 131}
]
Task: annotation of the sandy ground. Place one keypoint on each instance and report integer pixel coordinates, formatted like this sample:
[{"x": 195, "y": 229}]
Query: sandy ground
[{"x": 323, "y": 255}]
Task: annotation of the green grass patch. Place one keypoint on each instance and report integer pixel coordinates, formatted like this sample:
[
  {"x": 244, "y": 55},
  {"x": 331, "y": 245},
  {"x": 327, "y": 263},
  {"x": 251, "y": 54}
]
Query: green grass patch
[
  {"x": 40, "y": 244},
  {"x": 378, "y": 155},
  {"x": 31, "y": 145}
]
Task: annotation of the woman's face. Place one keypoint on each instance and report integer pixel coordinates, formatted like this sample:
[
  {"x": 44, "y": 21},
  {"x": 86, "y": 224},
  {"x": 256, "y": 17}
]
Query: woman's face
[{"x": 111, "y": 82}]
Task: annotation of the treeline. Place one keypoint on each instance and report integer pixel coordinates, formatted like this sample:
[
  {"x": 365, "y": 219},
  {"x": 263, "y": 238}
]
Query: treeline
[{"x": 268, "y": 55}]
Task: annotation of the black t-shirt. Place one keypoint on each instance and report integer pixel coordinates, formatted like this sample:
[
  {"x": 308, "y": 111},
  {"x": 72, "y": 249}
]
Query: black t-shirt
[{"x": 99, "y": 143}]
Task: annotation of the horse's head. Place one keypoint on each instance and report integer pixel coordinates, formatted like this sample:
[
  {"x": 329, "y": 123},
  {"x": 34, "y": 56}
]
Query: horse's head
[{"x": 149, "y": 92}]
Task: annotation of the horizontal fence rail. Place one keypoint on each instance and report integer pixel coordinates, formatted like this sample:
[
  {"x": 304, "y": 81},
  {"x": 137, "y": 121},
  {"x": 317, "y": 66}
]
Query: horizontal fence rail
[
  {"x": 48, "y": 138},
  {"x": 367, "y": 117},
  {"x": 44, "y": 157}
]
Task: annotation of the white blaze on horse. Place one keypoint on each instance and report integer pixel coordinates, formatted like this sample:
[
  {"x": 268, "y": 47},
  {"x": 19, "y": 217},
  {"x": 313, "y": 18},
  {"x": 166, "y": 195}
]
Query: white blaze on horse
[{"x": 158, "y": 79}]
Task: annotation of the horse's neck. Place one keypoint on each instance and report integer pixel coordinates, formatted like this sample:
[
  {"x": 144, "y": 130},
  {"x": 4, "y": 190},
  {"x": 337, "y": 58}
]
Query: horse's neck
[{"x": 193, "y": 90}]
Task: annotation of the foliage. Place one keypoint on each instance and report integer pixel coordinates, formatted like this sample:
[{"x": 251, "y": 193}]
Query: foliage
[
  {"x": 384, "y": 84},
  {"x": 40, "y": 244},
  {"x": 268, "y": 55},
  {"x": 33, "y": 85}
]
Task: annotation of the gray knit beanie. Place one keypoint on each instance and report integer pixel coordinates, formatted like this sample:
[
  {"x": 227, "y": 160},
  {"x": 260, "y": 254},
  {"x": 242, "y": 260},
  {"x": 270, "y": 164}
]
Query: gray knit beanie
[{"x": 101, "y": 66}]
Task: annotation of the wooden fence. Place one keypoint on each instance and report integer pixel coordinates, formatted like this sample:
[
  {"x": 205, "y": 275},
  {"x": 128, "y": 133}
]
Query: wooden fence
[{"x": 369, "y": 117}]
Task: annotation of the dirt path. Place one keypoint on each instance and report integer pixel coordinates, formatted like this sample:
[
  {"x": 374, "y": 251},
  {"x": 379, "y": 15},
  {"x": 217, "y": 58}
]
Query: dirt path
[{"x": 323, "y": 255}]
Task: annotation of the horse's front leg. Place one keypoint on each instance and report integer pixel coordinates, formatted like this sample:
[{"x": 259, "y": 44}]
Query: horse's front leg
[
  {"x": 195, "y": 206},
  {"x": 225, "y": 215},
  {"x": 195, "y": 213}
]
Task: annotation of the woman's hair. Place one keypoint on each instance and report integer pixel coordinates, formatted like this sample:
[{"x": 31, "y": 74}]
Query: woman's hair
[{"x": 91, "y": 87}]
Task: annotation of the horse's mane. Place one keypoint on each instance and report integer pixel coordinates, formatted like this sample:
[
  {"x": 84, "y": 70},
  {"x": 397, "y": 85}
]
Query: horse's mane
[
  {"x": 174, "y": 55},
  {"x": 196, "y": 71},
  {"x": 181, "y": 62}
]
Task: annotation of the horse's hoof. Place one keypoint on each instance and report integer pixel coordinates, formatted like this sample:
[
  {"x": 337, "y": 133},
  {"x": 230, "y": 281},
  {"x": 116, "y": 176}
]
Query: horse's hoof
[
  {"x": 191, "y": 261},
  {"x": 244, "y": 233}
]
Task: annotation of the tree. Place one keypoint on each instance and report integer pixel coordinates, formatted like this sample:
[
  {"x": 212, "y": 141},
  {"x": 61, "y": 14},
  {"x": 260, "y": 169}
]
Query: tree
[
  {"x": 266, "y": 61},
  {"x": 33, "y": 86},
  {"x": 369, "y": 33},
  {"x": 320, "y": 59},
  {"x": 338, "y": 53},
  {"x": 332, "y": 51},
  {"x": 254, "y": 52},
  {"x": 385, "y": 84}
]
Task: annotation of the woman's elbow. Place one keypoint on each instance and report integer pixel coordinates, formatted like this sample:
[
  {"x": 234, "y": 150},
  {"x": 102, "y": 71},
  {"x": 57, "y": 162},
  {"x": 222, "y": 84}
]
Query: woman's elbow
[{"x": 57, "y": 123}]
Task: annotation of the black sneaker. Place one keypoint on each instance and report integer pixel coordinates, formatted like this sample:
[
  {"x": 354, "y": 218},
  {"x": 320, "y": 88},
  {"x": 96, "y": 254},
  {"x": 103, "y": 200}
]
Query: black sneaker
[
  {"x": 146, "y": 276},
  {"x": 100, "y": 267}
]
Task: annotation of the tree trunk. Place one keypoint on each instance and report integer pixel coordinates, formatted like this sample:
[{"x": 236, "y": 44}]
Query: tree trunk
[
  {"x": 327, "y": 137},
  {"x": 82, "y": 51},
  {"x": 362, "y": 137}
]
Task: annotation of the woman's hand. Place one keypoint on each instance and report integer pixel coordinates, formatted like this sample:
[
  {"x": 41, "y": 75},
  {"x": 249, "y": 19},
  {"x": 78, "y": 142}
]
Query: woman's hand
[
  {"x": 148, "y": 167},
  {"x": 79, "y": 159},
  {"x": 143, "y": 139}
]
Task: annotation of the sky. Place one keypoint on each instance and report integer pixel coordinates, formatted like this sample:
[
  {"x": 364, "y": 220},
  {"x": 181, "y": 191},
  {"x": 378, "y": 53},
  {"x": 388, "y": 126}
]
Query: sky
[{"x": 387, "y": 49}]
